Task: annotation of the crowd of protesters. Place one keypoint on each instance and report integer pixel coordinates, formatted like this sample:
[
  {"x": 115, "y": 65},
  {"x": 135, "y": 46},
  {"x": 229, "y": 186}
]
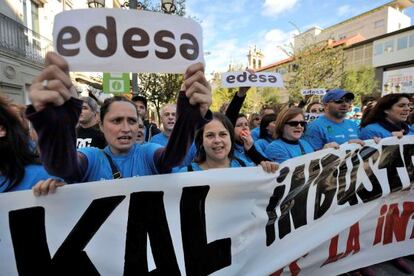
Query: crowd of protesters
[{"x": 74, "y": 140}]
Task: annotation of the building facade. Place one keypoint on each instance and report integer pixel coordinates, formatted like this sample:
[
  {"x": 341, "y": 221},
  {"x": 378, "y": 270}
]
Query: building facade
[
  {"x": 384, "y": 19},
  {"x": 25, "y": 36},
  {"x": 380, "y": 38}
]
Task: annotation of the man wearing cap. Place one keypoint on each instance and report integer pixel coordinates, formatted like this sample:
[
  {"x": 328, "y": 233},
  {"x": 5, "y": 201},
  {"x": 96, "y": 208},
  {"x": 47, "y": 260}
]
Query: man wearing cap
[
  {"x": 332, "y": 129},
  {"x": 150, "y": 128},
  {"x": 88, "y": 133}
]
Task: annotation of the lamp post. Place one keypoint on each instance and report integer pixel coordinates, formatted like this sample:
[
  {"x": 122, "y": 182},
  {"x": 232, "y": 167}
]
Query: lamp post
[
  {"x": 96, "y": 3},
  {"x": 168, "y": 6}
]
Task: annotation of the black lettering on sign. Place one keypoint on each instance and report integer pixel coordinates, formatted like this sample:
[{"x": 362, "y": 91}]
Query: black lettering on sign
[
  {"x": 369, "y": 153},
  {"x": 109, "y": 33},
  {"x": 30, "y": 247},
  {"x": 159, "y": 40},
  {"x": 408, "y": 150},
  {"x": 191, "y": 50},
  {"x": 200, "y": 257},
  {"x": 271, "y": 207},
  {"x": 347, "y": 195},
  {"x": 294, "y": 204},
  {"x": 325, "y": 185},
  {"x": 390, "y": 160},
  {"x": 242, "y": 77},
  {"x": 230, "y": 79},
  {"x": 130, "y": 44},
  {"x": 252, "y": 77},
  {"x": 147, "y": 216},
  {"x": 61, "y": 41}
]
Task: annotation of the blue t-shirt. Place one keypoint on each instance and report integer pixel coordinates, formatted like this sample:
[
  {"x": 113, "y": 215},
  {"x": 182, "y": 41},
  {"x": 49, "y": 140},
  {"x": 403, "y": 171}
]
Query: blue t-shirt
[
  {"x": 323, "y": 131},
  {"x": 262, "y": 144},
  {"x": 241, "y": 154},
  {"x": 32, "y": 174},
  {"x": 139, "y": 161},
  {"x": 280, "y": 150},
  {"x": 376, "y": 130},
  {"x": 255, "y": 133},
  {"x": 233, "y": 164},
  {"x": 160, "y": 139}
]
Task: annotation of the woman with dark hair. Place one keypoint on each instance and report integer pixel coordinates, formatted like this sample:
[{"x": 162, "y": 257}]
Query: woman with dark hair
[
  {"x": 215, "y": 148},
  {"x": 55, "y": 112},
  {"x": 267, "y": 128},
  {"x": 387, "y": 118},
  {"x": 289, "y": 128},
  {"x": 19, "y": 167}
]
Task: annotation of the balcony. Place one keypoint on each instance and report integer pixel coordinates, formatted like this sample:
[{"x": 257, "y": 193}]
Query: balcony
[{"x": 19, "y": 40}]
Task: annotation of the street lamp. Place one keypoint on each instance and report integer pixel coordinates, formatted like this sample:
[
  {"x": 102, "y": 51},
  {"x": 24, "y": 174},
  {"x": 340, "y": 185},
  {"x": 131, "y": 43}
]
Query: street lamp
[
  {"x": 168, "y": 6},
  {"x": 133, "y": 5},
  {"x": 96, "y": 3}
]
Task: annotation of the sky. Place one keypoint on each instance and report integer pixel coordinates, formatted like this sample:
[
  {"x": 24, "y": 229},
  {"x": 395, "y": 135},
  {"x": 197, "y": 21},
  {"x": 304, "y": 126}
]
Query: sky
[{"x": 230, "y": 27}]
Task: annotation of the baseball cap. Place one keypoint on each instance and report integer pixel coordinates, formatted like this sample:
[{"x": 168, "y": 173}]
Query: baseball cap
[{"x": 337, "y": 94}]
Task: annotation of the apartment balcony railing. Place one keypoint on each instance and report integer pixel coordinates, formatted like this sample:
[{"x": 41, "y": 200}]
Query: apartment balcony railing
[{"x": 17, "y": 39}]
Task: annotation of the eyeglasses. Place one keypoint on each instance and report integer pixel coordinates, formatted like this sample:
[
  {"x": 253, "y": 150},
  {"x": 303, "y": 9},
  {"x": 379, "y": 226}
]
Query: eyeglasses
[
  {"x": 296, "y": 123},
  {"x": 341, "y": 101},
  {"x": 317, "y": 110}
]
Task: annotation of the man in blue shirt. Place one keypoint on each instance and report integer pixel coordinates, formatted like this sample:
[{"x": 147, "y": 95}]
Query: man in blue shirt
[
  {"x": 332, "y": 129},
  {"x": 168, "y": 113}
]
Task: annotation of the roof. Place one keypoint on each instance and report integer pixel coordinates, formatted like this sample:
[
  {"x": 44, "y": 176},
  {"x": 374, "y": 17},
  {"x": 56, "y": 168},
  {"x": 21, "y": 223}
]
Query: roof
[{"x": 280, "y": 62}]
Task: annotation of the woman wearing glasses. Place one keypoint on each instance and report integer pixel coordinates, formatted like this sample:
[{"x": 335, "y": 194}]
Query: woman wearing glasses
[
  {"x": 388, "y": 118},
  {"x": 290, "y": 125}
]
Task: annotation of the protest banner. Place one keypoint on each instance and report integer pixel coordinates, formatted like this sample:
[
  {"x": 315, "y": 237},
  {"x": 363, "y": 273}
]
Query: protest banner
[
  {"x": 259, "y": 79},
  {"x": 323, "y": 213},
  {"x": 117, "y": 40},
  {"x": 314, "y": 91}
]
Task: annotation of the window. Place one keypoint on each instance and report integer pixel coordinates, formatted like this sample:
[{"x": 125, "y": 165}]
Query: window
[
  {"x": 402, "y": 43},
  {"x": 412, "y": 40},
  {"x": 379, "y": 49},
  {"x": 389, "y": 46},
  {"x": 379, "y": 23},
  {"x": 260, "y": 63}
]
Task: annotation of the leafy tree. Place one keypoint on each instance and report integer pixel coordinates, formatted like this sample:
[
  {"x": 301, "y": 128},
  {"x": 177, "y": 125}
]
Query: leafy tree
[
  {"x": 360, "y": 81},
  {"x": 160, "y": 89},
  {"x": 315, "y": 66}
]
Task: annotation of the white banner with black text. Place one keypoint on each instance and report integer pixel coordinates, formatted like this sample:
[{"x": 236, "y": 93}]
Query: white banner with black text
[{"x": 323, "y": 213}]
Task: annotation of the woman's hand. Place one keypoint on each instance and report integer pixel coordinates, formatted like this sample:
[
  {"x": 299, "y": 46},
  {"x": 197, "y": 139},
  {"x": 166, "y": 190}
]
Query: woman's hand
[
  {"x": 398, "y": 134},
  {"x": 47, "y": 186},
  {"x": 53, "y": 85},
  {"x": 333, "y": 145},
  {"x": 197, "y": 88},
  {"x": 247, "y": 139},
  {"x": 269, "y": 167}
]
